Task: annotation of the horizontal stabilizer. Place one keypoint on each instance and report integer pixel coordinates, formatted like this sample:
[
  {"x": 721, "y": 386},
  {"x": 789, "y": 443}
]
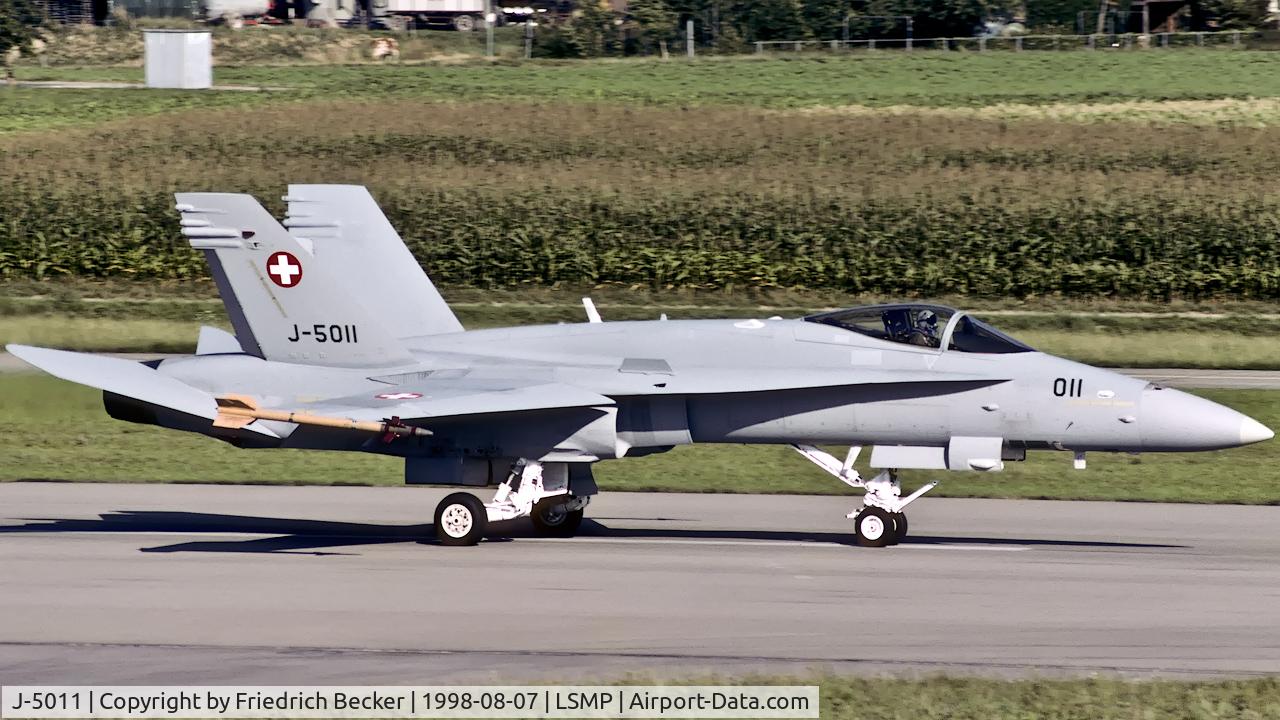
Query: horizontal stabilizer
[
  {"x": 126, "y": 378},
  {"x": 214, "y": 341},
  {"x": 122, "y": 377}
]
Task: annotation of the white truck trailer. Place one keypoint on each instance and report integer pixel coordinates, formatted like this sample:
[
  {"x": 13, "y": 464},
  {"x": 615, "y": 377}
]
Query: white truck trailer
[{"x": 461, "y": 15}]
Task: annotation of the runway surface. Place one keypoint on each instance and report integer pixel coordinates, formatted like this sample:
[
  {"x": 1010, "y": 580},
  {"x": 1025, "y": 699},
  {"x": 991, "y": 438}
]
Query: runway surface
[
  {"x": 1201, "y": 378},
  {"x": 164, "y": 584},
  {"x": 1172, "y": 377}
]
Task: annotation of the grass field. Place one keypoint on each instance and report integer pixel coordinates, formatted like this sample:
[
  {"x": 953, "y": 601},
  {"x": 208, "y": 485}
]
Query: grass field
[
  {"x": 53, "y": 430},
  {"x": 642, "y": 197},
  {"x": 930, "y": 79},
  {"x": 1216, "y": 87},
  {"x": 943, "y": 698},
  {"x": 609, "y": 173}
]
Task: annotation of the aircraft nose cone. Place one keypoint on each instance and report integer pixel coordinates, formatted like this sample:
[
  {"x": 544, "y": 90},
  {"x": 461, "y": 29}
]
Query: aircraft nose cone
[
  {"x": 1174, "y": 420},
  {"x": 1252, "y": 431}
]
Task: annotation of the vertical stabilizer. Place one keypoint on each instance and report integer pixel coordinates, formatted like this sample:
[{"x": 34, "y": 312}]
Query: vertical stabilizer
[
  {"x": 344, "y": 228},
  {"x": 282, "y": 303}
]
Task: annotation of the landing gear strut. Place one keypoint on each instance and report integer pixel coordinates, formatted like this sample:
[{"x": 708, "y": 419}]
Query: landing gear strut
[
  {"x": 552, "y": 517},
  {"x": 461, "y": 518},
  {"x": 880, "y": 521}
]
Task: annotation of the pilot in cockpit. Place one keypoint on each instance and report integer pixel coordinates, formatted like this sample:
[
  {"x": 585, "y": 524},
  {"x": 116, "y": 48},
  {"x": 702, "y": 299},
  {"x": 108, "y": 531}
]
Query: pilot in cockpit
[
  {"x": 912, "y": 326},
  {"x": 924, "y": 329}
]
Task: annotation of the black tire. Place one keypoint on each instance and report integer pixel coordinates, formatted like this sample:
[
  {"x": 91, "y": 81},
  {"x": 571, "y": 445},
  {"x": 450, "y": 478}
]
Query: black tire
[
  {"x": 460, "y": 519},
  {"x": 550, "y": 519},
  {"x": 899, "y": 527},
  {"x": 464, "y": 23},
  {"x": 873, "y": 527}
]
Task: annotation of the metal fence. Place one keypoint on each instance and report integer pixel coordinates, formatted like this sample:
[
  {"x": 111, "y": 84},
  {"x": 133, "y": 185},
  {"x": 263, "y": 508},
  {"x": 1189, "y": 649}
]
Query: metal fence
[
  {"x": 66, "y": 11},
  {"x": 160, "y": 8},
  {"x": 1122, "y": 41}
]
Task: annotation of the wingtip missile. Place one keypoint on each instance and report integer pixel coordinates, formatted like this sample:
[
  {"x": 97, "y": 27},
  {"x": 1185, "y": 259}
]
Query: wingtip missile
[{"x": 237, "y": 411}]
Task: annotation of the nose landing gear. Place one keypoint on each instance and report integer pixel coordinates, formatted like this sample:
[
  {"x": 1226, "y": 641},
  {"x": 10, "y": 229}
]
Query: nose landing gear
[{"x": 880, "y": 520}]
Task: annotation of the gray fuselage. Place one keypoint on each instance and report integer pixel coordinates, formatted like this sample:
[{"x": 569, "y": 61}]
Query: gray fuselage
[{"x": 691, "y": 381}]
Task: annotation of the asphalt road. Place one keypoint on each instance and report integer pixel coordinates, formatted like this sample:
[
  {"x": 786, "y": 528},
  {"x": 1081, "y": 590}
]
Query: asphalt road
[
  {"x": 140, "y": 584},
  {"x": 1173, "y": 377}
]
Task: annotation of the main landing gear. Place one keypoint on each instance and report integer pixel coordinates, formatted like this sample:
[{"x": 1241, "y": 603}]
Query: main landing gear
[
  {"x": 461, "y": 518},
  {"x": 880, "y": 521}
]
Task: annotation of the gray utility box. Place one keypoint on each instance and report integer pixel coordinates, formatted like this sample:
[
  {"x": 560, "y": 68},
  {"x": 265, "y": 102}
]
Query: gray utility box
[{"x": 180, "y": 59}]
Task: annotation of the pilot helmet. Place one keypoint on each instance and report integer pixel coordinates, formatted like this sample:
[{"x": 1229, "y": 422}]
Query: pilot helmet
[{"x": 927, "y": 320}]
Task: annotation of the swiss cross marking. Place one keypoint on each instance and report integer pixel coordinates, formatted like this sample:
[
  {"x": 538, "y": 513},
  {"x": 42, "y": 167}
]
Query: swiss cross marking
[
  {"x": 399, "y": 396},
  {"x": 284, "y": 269}
]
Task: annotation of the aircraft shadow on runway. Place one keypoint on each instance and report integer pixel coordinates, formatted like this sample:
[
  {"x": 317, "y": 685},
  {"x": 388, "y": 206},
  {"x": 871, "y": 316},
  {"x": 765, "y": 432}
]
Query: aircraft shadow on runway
[
  {"x": 287, "y": 535},
  {"x": 324, "y": 537}
]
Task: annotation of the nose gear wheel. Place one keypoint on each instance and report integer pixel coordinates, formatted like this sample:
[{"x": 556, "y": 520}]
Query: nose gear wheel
[{"x": 881, "y": 519}]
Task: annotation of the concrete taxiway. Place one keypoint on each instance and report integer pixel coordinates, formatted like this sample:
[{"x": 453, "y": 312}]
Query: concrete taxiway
[{"x": 144, "y": 584}]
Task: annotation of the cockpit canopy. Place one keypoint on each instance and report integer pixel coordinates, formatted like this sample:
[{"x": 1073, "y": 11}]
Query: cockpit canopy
[{"x": 924, "y": 326}]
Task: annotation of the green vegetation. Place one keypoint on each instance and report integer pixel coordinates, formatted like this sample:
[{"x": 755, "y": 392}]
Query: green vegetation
[
  {"x": 488, "y": 196},
  {"x": 18, "y": 22},
  {"x": 947, "y": 698},
  {"x": 94, "y": 334},
  {"x": 121, "y": 45},
  {"x": 30, "y": 109},
  {"x": 53, "y": 430},
  {"x": 1178, "y": 349},
  {"x": 925, "y": 79}
]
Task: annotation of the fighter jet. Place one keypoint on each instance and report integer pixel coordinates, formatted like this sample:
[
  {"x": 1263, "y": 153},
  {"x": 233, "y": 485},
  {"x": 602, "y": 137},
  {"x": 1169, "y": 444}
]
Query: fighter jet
[{"x": 342, "y": 343}]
